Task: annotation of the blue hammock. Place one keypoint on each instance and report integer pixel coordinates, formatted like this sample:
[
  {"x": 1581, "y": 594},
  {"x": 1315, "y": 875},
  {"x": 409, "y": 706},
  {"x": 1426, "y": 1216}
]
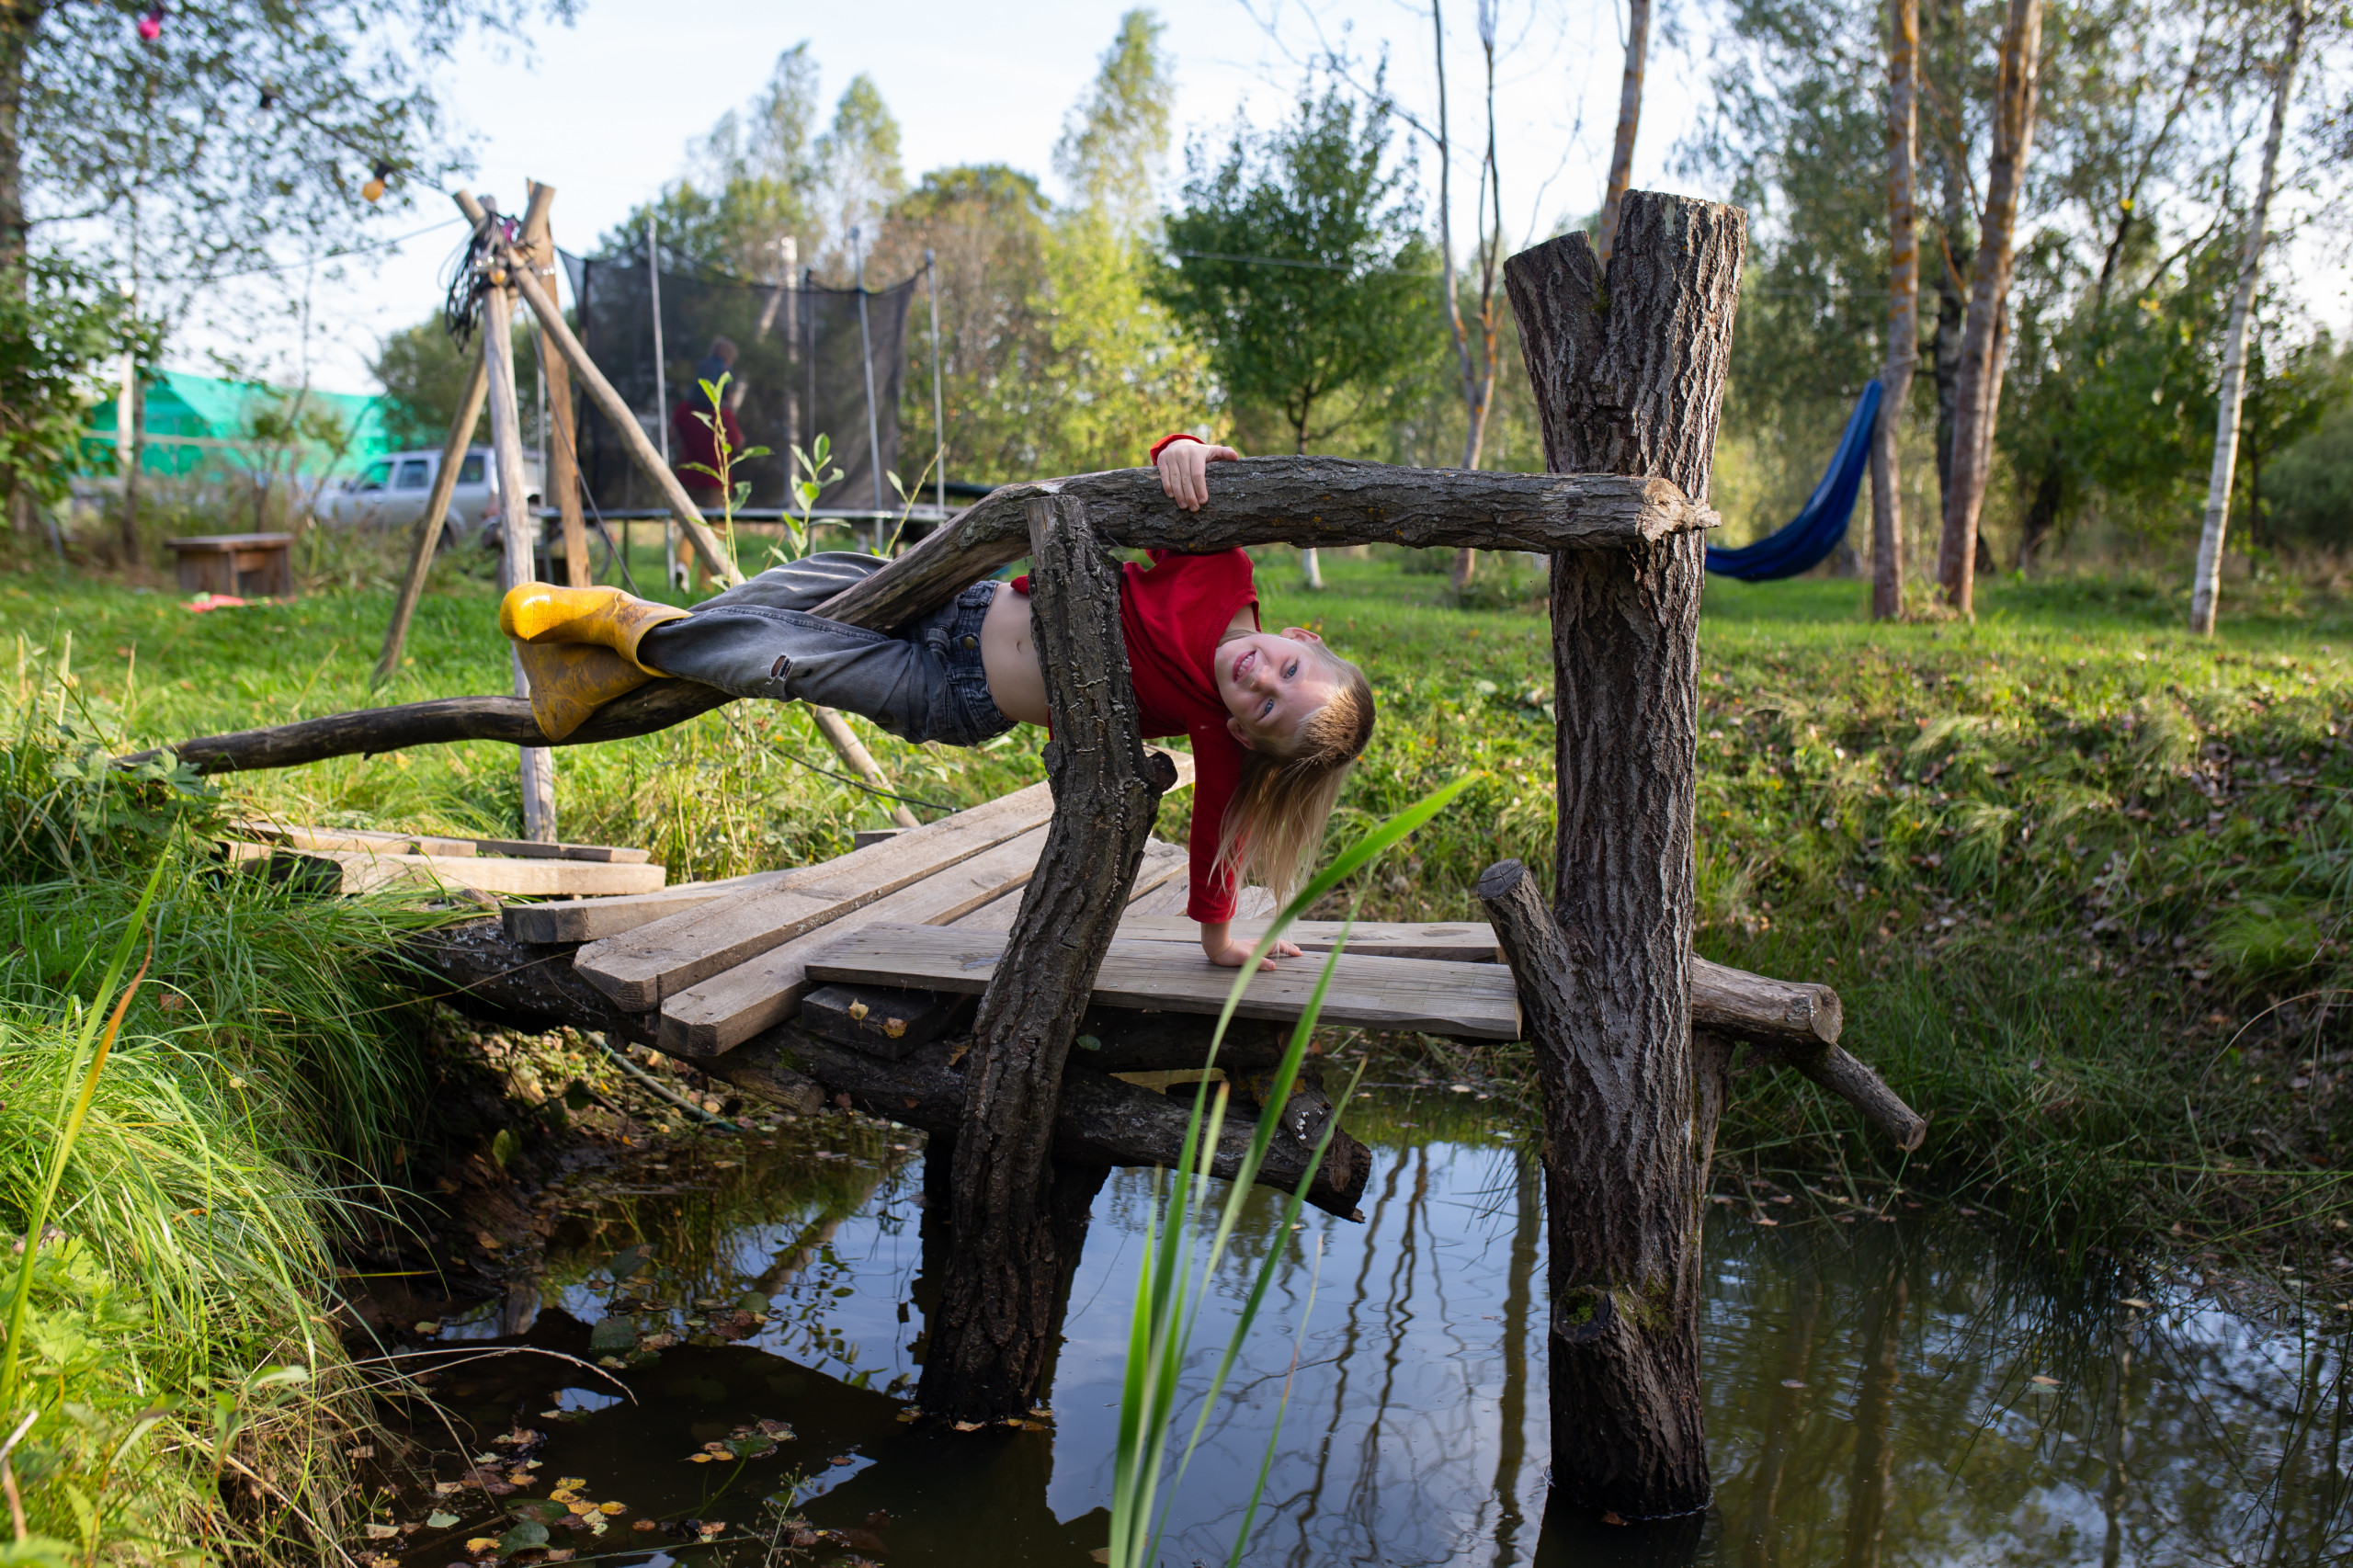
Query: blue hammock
[{"x": 1815, "y": 532}]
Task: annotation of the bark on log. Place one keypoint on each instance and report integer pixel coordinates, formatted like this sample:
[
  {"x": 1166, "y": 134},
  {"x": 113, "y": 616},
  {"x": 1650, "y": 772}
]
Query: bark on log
[
  {"x": 1628, "y": 371},
  {"x": 1258, "y": 500},
  {"x": 1858, "y": 1085},
  {"x": 988, "y": 1351},
  {"x": 483, "y": 973},
  {"x": 1101, "y": 1121},
  {"x": 1305, "y": 501}
]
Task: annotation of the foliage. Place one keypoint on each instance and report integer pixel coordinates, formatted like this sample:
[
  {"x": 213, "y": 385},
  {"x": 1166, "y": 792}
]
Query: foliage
[
  {"x": 1298, "y": 262},
  {"x": 1116, "y": 137},
  {"x": 246, "y": 125},
  {"x": 2310, "y": 485},
  {"x": 1175, "y": 1277},
  {"x": 63, "y": 332},
  {"x": 424, "y": 375}
]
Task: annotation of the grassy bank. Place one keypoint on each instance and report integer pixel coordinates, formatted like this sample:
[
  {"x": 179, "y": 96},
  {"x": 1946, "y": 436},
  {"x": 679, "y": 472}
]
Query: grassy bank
[
  {"x": 186, "y": 1388},
  {"x": 2074, "y": 873}
]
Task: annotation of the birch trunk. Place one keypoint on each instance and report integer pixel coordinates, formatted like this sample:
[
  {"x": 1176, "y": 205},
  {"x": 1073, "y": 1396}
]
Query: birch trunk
[
  {"x": 1904, "y": 308},
  {"x": 2208, "y": 586},
  {"x": 1979, "y": 381}
]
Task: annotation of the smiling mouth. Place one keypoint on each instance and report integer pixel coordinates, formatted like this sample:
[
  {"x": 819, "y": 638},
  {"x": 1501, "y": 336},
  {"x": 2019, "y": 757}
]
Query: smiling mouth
[{"x": 1242, "y": 665}]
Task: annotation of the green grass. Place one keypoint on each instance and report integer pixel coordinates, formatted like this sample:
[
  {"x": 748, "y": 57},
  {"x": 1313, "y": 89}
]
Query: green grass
[{"x": 2076, "y": 875}]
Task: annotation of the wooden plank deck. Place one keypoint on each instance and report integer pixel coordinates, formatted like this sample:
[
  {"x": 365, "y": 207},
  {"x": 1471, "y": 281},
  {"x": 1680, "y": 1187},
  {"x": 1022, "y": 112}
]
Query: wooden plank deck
[
  {"x": 1469, "y": 1001},
  {"x": 1469, "y": 941},
  {"x": 730, "y": 1009}
]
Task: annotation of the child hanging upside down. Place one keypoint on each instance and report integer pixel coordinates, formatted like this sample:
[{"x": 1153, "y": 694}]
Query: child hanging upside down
[{"x": 1274, "y": 720}]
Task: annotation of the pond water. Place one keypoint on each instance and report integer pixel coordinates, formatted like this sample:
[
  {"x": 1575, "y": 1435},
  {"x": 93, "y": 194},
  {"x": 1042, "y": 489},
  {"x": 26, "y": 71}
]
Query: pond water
[{"x": 1896, "y": 1391}]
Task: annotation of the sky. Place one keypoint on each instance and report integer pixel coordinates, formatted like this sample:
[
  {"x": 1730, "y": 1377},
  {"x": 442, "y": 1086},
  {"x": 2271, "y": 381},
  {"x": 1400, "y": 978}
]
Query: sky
[{"x": 603, "y": 110}]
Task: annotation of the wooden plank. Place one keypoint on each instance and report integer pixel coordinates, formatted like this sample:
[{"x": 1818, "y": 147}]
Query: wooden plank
[
  {"x": 1470, "y": 1001},
  {"x": 608, "y": 854},
  {"x": 297, "y": 835},
  {"x": 664, "y": 956},
  {"x": 640, "y": 968},
  {"x": 1463, "y": 941},
  {"x": 364, "y": 870},
  {"x": 1162, "y": 864},
  {"x": 729, "y": 1008},
  {"x": 592, "y": 919}
]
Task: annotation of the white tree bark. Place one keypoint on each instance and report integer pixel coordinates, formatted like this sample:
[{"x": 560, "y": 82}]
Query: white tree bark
[
  {"x": 1903, "y": 308},
  {"x": 2207, "y": 586}
]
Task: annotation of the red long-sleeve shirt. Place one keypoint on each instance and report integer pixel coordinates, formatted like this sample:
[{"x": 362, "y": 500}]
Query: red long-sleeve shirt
[
  {"x": 692, "y": 442},
  {"x": 1172, "y": 614}
]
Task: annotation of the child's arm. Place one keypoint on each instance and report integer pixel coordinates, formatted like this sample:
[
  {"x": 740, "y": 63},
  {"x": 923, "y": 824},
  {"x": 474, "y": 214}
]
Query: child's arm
[
  {"x": 1183, "y": 470},
  {"x": 1218, "y": 942}
]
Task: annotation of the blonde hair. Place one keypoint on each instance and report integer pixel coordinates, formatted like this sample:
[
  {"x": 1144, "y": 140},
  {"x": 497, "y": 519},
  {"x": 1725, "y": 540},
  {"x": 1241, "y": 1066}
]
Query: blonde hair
[{"x": 1275, "y": 822}]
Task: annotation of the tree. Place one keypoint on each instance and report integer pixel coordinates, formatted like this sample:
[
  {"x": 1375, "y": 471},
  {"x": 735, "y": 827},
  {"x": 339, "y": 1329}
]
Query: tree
[
  {"x": 1903, "y": 308},
  {"x": 61, "y": 333},
  {"x": 251, "y": 128},
  {"x": 1978, "y": 385},
  {"x": 1630, "y": 115},
  {"x": 2206, "y": 586},
  {"x": 1300, "y": 263},
  {"x": 1115, "y": 141}
]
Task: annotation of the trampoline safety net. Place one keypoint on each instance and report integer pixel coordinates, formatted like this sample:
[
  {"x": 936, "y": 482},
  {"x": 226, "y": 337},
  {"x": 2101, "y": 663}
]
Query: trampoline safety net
[{"x": 803, "y": 355}]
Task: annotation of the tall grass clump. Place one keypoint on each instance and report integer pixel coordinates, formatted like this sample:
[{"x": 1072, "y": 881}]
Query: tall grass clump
[
  {"x": 203, "y": 1083},
  {"x": 1182, "y": 1255}
]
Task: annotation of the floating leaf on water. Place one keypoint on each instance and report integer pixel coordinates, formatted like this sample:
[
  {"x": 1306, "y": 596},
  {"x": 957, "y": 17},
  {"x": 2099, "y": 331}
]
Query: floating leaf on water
[
  {"x": 2042, "y": 1382},
  {"x": 428, "y": 1328},
  {"x": 615, "y": 1333},
  {"x": 645, "y": 1525},
  {"x": 2136, "y": 1303},
  {"x": 382, "y": 1532},
  {"x": 610, "y": 1509},
  {"x": 439, "y": 1520},
  {"x": 525, "y": 1536},
  {"x": 483, "y": 1543},
  {"x": 1792, "y": 1383}
]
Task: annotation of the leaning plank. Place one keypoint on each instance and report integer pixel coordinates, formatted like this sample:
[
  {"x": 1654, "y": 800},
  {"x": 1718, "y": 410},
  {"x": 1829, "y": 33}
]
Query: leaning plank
[
  {"x": 730, "y": 1007},
  {"x": 639, "y": 968},
  {"x": 365, "y": 871},
  {"x": 1463, "y": 941},
  {"x": 1470, "y": 1001}
]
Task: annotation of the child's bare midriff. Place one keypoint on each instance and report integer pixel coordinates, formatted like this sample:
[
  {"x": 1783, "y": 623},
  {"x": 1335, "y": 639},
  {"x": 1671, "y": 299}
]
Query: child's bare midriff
[{"x": 1009, "y": 655}]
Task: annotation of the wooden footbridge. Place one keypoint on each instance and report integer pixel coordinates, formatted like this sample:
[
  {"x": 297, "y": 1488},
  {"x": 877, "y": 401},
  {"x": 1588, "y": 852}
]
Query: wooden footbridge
[{"x": 1022, "y": 948}]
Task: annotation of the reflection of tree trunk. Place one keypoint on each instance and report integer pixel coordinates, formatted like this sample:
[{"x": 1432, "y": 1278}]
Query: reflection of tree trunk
[
  {"x": 1304, "y": 1505},
  {"x": 1783, "y": 1424},
  {"x": 1069, "y": 1206},
  {"x": 1874, "y": 1413},
  {"x": 2113, "y": 1496},
  {"x": 1511, "y": 1411}
]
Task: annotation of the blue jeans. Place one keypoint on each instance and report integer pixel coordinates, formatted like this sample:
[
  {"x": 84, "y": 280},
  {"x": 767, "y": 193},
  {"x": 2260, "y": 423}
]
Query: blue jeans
[{"x": 759, "y": 639}]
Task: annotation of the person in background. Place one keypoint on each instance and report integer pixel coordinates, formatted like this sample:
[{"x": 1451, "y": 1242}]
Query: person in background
[{"x": 694, "y": 445}]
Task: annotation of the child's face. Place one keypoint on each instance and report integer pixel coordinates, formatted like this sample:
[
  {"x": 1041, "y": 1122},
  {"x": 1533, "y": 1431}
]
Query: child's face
[{"x": 1271, "y": 684}]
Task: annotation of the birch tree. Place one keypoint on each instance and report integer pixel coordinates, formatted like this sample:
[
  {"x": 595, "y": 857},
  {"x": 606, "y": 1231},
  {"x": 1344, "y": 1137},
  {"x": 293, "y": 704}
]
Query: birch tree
[
  {"x": 1630, "y": 114},
  {"x": 2207, "y": 586},
  {"x": 1903, "y": 311}
]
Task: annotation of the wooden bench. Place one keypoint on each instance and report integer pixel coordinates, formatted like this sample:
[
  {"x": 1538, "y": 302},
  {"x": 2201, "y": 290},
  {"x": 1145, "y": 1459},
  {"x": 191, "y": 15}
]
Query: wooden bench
[{"x": 245, "y": 566}]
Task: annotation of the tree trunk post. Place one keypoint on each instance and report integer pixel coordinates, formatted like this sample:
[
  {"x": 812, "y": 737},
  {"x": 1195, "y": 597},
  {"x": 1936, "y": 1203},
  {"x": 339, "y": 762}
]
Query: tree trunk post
[
  {"x": 1628, "y": 379},
  {"x": 986, "y": 1357},
  {"x": 2208, "y": 587},
  {"x": 1903, "y": 311}
]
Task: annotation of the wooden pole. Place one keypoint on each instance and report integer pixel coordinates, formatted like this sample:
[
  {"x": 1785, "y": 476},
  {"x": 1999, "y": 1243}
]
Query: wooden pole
[
  {"x": 563, "y": 469},
  {"x": 1627, "y": 370},
  {"x": 990, "y": 1343},
  {"x": 516, "y": 528},
  {"x": 616, "y": 409},
  {"x": 437, "y": 511},
  {"x": 851, "y": 750}
]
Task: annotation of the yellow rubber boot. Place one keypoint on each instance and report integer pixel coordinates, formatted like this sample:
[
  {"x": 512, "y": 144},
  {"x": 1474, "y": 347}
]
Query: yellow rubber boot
[
  {"x": 571, "y": 680},
  {"x": 540, "y": 613}
]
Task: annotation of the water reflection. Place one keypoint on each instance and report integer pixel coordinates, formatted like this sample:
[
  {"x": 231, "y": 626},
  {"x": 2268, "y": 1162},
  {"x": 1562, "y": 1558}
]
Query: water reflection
[{"x": 1879, "y": 1393}]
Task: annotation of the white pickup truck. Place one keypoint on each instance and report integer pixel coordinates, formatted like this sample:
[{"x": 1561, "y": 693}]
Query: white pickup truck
[{"x": 391, "y": 492}]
